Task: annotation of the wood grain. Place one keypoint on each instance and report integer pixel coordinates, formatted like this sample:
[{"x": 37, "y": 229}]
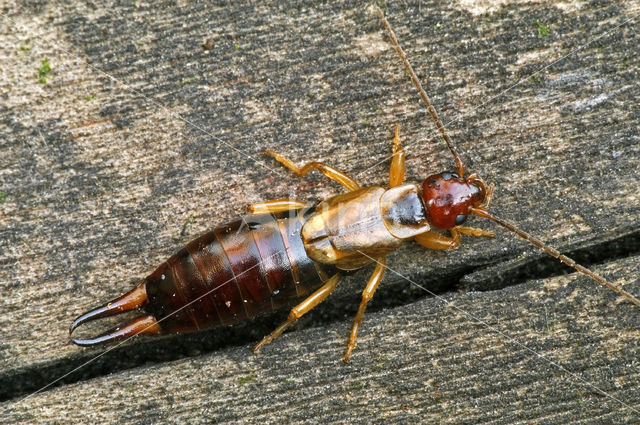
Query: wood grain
[{"x": 141, "y": 139}]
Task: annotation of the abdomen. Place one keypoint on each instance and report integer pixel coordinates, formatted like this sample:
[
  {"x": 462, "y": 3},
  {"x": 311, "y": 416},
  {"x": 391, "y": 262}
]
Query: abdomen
[{"x": 234, "y": 272}]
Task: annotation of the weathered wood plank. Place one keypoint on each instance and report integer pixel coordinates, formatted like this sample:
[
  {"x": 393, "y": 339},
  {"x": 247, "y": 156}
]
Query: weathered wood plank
[
  {"x": 101, "y": 180},
  {"x": 475, "y": 360}
]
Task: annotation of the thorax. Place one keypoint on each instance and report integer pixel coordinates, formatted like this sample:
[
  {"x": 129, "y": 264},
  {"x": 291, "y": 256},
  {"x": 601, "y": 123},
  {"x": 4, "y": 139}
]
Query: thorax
[{"x": 349, "y": 230}]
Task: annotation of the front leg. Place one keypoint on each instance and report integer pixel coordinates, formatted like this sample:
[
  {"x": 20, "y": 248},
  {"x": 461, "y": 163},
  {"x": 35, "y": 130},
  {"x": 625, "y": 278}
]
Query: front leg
[
  {"x": 434, "y": 240},
  {"x": 397, "y": 170}
]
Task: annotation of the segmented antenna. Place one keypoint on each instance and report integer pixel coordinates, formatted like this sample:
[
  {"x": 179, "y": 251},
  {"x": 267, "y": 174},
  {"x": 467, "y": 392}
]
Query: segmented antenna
[
  {"x": 423, "y": 94},
  {"x": 481, "y": 211},
  {"x": 555, "y": 253}
]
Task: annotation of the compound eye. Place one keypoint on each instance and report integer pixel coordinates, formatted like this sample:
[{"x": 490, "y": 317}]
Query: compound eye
[
  {"x": 461, "y": 218},
  {"x": 433, "y": 183},
  {"x": 448, "y": 175}
]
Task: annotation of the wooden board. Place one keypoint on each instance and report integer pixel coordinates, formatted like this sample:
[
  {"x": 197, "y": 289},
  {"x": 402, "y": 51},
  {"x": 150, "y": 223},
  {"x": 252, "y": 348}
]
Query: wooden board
[{"x": 141, "y": 139}]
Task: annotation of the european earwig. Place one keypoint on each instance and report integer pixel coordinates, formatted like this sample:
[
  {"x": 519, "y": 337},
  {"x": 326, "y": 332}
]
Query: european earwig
[{"x": 288, "y": 249}]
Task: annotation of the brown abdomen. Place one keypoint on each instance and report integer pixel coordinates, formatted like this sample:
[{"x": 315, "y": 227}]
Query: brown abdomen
[{"x": 234, "y": 272}]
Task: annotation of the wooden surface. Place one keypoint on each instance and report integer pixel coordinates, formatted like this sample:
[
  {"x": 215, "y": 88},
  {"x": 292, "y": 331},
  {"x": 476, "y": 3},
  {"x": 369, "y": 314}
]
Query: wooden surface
[{"x": 141, "y": 139}]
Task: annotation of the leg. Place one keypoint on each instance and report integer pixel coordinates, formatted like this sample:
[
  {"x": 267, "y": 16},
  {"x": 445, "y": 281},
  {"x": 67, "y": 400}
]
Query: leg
[
  {"x": 396, "y": 172},
  {"x": 327, "y": 170},
  {"x": 433, "y": 240},
  {"x": 275, "y": 206},
  {"x": 367, "y": 294},
  {"x": 300, "y": 310}
]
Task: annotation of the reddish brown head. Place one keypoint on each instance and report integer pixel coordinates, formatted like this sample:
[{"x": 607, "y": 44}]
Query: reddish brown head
[{"x": 448, "y": 198}]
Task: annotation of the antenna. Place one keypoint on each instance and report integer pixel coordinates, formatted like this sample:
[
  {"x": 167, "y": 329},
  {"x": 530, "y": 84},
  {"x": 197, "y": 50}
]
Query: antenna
[
  {"x": 480, "y": 210},
  {"x": 423, "y": 94},
  {"x": 555, "y": 253}
]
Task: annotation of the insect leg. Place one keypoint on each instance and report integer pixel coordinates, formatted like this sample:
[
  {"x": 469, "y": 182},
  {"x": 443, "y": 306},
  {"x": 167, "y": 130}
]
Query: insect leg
[
  {"x": 367, "y": 294},
  {"x": 396, "y": 172},
  {"x": 276, "y": 205},
  {"x": 434, "y": 240},
  {"x": 327, "y": 170},
  {"x": 300, "y": 310}
]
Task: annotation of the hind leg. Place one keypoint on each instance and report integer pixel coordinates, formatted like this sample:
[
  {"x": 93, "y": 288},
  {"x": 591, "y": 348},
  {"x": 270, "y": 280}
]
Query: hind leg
[
  {"x": 300, "y": 310},
  {"x": 333, "y": 173},
  {"x": 367, "y": 294}
]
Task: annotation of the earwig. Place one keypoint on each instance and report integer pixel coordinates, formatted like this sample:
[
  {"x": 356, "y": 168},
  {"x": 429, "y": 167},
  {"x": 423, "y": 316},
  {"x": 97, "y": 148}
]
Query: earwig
[{"x": 287, "y": 249}]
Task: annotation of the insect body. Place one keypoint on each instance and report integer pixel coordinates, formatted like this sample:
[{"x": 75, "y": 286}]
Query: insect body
[
  {"x": 259, "y": 263},
  {"x": 288, "y": 249}
]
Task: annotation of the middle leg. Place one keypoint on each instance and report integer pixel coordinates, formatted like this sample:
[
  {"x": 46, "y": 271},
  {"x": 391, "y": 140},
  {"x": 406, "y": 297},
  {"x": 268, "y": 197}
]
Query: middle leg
[{"x": 275, "y": 205}]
